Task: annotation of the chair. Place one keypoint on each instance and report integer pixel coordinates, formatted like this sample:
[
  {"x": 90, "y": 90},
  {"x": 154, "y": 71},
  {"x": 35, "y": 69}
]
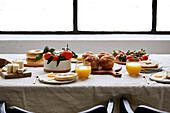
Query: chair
[
  {"x": 2, "y": 107},
  {"x": 12, "y": 109},
  {"x": 101, "y": 108},
  {"x": 125, "y": 108}
]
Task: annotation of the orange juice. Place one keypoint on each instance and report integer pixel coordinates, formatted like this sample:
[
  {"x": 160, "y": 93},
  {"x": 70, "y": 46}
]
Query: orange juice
[
  {"x": 83, "y": 71},
  {"x": 133, "y": 68}
]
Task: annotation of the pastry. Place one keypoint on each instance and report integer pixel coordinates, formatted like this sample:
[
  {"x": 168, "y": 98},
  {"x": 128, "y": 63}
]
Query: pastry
[
  {"x": 86, "y": 54},
  {"x": 9, "y": 68},
  {"x": 32, "y": 61},
  {"x": 107, "y": 62},
  {"x": 15, "y": 68},
  {"x": 65, "y": 76},
  {"x": 93, "y": 60},
  {"x": 31, "y": 55},
  {"x": 103, "y": 54},
  {"x": 149, "y": 64}
]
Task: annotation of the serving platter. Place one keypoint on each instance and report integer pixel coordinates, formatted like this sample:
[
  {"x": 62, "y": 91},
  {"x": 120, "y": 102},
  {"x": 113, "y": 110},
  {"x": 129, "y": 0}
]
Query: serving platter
[
  {"x": 50, "y": 80},
  {"x": 162, "y": 79}
]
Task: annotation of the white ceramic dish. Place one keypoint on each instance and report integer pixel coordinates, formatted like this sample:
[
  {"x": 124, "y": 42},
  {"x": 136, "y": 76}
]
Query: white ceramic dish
[
  {"x": 162, "y": 79},
  {"x": 64, "y": 66},
  {"x": 45, "y": 79}
]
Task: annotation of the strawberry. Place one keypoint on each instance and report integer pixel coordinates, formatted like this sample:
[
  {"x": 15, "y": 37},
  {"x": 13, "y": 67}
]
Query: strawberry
[
  {"x": 47, "y": 55},
  {"x": 117, "y": 58},
  {"x": 140, "y": 52},
  {"x": 145, "y": 57},
  {"x": 121, "y": 54},
  {"x": 128, "y": 57},
  {"x": 55, "y": 58},
  {"x": 67, "y": 54},
  {"x": 131, "y": 52},
  {"x": 140, "y": 58}
]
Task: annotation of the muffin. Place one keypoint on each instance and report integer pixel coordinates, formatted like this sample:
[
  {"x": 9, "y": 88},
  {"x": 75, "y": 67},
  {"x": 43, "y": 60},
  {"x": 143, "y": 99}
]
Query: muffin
[{"x": 107, "y": 61}]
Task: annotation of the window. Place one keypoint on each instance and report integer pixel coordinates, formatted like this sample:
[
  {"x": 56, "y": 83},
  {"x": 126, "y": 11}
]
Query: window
[
  {"x": 163, "y": 17},
  {"x": 85, "y": 16},
  {"x": 114, "y": 15},
  {"x": 36, "y": 15}
]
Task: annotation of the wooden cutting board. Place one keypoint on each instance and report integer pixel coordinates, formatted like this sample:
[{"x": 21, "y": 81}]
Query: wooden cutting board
[
  {"x": 113, "y": 71},
  {"x": 6, "y": 75}
]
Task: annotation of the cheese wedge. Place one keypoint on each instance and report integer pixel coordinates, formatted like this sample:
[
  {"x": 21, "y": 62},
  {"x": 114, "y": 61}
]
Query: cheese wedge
[
  {"x": 20, "y": 70},
  {"x": 15, "y": 68},
  {"x": 20, "y": 62},
  {"x": 9, "y": 68}
]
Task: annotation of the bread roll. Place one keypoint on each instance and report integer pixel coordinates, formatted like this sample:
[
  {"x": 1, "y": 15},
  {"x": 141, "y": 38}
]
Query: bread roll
[
  {"x": 86, "y": 54},
  {"x": 103, "y": 54},
  {"x": 93, "y": 60},
  {"x": 107, "y": 62}
]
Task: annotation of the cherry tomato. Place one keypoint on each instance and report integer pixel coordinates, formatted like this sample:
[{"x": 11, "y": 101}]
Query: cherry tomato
[
  {"x": 47, "y": 55},
  {"x": 145, "y": 57}
]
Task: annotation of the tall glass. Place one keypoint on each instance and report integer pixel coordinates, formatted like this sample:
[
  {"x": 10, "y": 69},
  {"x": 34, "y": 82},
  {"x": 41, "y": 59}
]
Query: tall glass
[
  {"x": 83, "y": 71},
  {"x": 133, "y": 66}
]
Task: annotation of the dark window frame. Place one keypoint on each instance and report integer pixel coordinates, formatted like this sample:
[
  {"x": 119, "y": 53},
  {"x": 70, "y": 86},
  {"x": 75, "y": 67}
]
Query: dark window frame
[{"x": 76, "y": 31}]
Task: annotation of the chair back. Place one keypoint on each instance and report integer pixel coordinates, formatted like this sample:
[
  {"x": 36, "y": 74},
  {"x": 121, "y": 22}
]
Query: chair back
[{"x": 147, "y": 109}]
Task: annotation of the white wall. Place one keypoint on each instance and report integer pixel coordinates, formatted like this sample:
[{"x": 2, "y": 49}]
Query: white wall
[{"x": 80, "y": 43}]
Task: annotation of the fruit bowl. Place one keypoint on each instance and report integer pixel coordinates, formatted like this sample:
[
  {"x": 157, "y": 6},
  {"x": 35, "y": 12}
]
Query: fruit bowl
[{"x": 64, "y": 66}]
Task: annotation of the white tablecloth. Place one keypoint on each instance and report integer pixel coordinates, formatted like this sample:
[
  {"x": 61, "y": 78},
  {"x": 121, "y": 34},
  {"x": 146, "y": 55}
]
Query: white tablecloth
[{"x": 83, "y": 94}]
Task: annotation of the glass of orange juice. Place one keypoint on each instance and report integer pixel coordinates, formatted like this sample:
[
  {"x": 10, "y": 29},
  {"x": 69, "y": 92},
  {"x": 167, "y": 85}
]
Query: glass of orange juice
[
  {"x": 83, "y": 71},
  {"x": 133, "y": 66}
]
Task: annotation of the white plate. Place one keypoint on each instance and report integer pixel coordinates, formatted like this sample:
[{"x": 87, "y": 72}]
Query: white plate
[
  {"x": 163, "y": 79},
  {"x": 45, "y": 79}
]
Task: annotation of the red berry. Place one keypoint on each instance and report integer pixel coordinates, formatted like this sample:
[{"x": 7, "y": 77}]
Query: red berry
[
  {"x": 140, "y": 58},
  {"x": 128, "y": 57},
  {"x": 131, "y": 52},
  {"x": 117, "y": 58},
  {"x": 121, "y": 54}
]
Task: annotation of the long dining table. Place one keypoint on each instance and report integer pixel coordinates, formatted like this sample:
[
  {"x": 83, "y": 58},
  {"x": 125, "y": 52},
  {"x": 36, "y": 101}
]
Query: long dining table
[{"x": 84, "y": 94}]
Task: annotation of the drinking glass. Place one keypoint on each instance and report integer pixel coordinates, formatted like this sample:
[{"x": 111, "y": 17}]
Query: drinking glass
[
  {"x": 133, "y": 66},
  {"x": 83, "y": 70}
]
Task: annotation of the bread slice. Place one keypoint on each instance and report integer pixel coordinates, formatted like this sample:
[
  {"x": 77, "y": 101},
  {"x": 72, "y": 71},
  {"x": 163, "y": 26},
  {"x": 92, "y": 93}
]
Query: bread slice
[
  {"x": 3, "y": 62},
  {"x": 65, "y": 76},
  {"x": 149, "y": 64}
]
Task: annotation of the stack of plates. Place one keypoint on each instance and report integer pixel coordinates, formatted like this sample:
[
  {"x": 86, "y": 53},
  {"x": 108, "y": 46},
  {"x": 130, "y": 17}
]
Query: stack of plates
[{"x": 151, "y": 70}]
